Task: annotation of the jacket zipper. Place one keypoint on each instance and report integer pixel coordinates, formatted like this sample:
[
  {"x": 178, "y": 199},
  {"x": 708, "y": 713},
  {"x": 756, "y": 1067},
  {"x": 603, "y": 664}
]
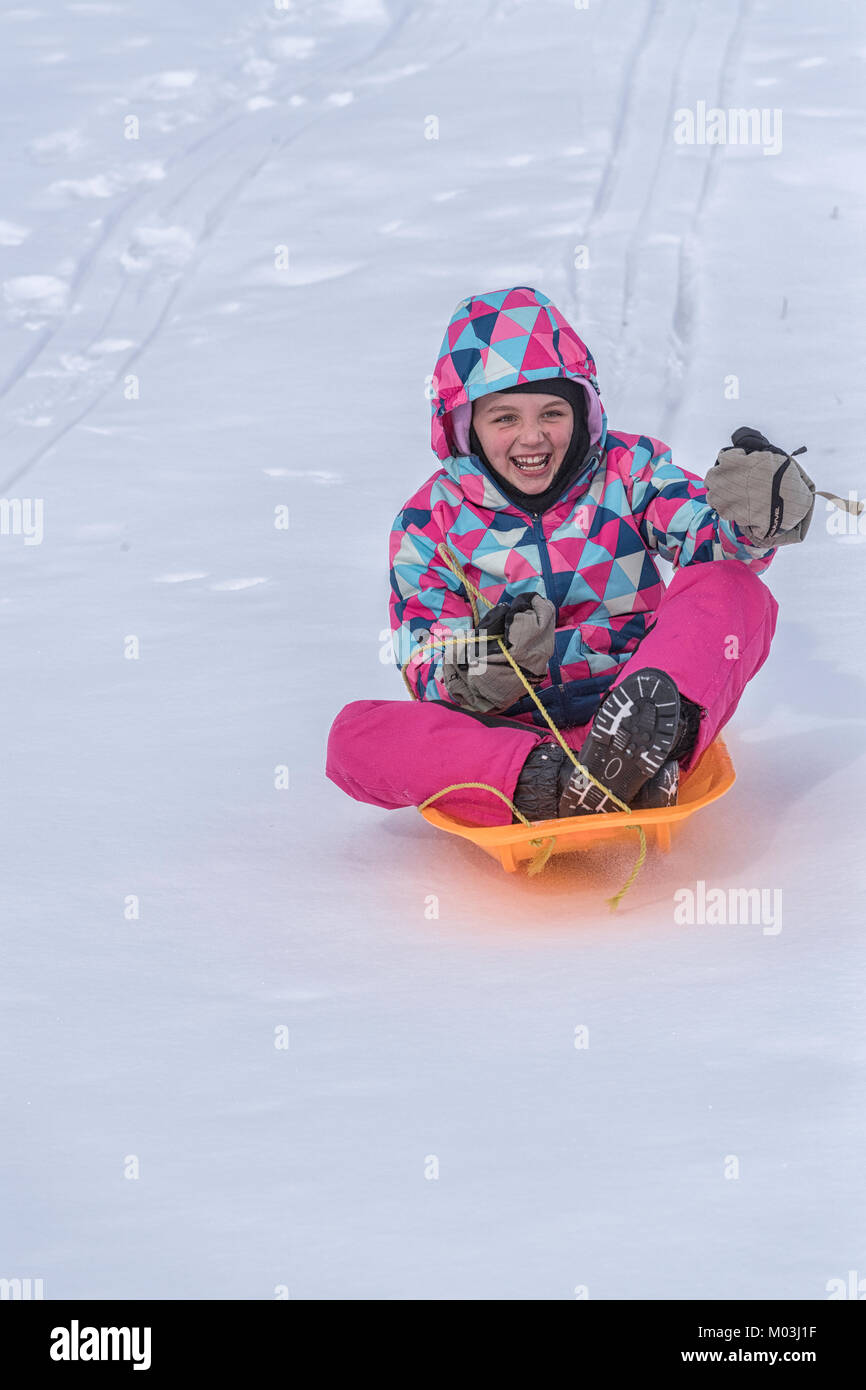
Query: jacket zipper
[
  {"x": 547, "y": 571},
  {"x": 544, "y": 556},
  {"x": 541, "y": 543}
]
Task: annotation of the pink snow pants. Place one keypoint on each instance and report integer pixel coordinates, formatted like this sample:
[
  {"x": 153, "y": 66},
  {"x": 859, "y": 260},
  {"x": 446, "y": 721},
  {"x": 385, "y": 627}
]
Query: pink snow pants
[{"x": 712, "y": 632}]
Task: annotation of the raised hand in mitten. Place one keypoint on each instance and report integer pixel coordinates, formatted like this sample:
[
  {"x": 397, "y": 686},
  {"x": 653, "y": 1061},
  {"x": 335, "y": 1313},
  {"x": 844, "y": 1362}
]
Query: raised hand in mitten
[{"x": 762, "y": 490}]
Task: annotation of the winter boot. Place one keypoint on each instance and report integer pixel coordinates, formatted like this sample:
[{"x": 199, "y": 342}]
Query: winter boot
[
  {"x": 542, "y": 781},
  {"x": 661, "y": 789},
  {"x": 642, "y": 724}
]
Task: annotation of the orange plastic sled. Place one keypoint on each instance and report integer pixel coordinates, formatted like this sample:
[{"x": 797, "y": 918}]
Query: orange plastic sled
[{"x": 510, "y": 844}]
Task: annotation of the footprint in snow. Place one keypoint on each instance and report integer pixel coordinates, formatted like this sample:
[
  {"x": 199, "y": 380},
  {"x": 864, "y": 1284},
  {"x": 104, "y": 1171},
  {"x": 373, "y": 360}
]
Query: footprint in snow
[
  {"x": 229, "y": 585},
  {"x": 35, "y": 294},
  {"x": 166, "y": 246},
  {"x": 168, "y": 84},
  {"x": 67, "y": 142},
  {"x": 12, "y": 235},
  {"x": 379, "y": 79},
  {"x": 100, "y": 186},
  {"x": 106, "y": 185},
  {"x": 108, "y": 345},
  {"x": 318, "y": 475}
]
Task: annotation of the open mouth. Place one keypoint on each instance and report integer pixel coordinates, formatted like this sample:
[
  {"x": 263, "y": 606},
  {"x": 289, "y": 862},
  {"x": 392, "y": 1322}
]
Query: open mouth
[{"x": 531, "y": 463}]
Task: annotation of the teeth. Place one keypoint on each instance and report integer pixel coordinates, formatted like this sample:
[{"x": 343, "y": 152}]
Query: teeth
[{"x": 532, "y": 462}]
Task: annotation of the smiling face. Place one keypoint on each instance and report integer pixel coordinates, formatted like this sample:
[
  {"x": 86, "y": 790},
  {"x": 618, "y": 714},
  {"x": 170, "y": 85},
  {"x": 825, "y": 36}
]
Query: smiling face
[{"x": 525, "y": 437}]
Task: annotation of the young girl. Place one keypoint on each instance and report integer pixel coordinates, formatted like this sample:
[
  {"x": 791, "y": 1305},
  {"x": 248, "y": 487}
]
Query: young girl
[{"x": 537, "y": 540}]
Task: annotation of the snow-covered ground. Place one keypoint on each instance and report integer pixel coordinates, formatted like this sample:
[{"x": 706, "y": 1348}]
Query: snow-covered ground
[{"x": 228, "y": 251}]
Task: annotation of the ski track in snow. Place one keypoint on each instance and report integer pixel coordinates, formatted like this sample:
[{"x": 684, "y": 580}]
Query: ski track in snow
[
  {"x": 635, "y": 252},
  {"x": 158, "y": 774},
  {"x": 685, "y": 305},
  {"x": 118, "y": 227},
  {"x": 660, "y": 47}
]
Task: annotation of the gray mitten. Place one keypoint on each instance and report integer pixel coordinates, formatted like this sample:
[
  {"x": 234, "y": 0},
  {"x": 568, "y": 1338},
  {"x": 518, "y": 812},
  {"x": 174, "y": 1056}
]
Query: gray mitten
[
  {"x": 477, "y": 675},
  {"x": 759, "y": 487}
]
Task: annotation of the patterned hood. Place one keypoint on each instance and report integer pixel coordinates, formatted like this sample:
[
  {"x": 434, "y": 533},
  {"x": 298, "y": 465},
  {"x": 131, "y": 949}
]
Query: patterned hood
[{"x": 496, "y": 341}]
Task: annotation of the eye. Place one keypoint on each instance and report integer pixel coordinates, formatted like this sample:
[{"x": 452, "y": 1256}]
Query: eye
[{"x": 500, "y": 419}]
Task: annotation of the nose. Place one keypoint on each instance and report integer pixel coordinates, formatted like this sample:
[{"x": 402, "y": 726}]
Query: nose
[{"x": 531, "y": 437}]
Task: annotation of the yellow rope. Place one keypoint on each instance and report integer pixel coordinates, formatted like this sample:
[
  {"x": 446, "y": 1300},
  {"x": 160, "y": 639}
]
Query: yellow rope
[
  {"x": 538, "y": 860},
  {"x": 545, "y": 849}
]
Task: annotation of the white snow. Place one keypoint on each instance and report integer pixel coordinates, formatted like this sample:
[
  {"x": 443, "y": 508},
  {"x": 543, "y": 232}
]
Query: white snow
[
  {"x": 228, "y": 585},
  {"x": 45, "y": 292},
  {"x": 180, "y": 578},
  {"x": 11, "y": 234},
  {"x": 293, "y": 47},
  {"x": 179, "y": 80},
  {"x": 181, "y": 882},
  {"x": 100, "y": 186},
  {"x": 110, "y": 345},
  {"x": 68, "y": 142}
]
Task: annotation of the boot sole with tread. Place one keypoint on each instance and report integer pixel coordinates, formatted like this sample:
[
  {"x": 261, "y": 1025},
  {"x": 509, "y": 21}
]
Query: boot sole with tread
[{"x": 631, "y": 737}]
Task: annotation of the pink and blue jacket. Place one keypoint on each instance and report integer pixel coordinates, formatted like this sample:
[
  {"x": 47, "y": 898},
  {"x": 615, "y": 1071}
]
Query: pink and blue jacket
[{"x": 592, "y": 553}]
